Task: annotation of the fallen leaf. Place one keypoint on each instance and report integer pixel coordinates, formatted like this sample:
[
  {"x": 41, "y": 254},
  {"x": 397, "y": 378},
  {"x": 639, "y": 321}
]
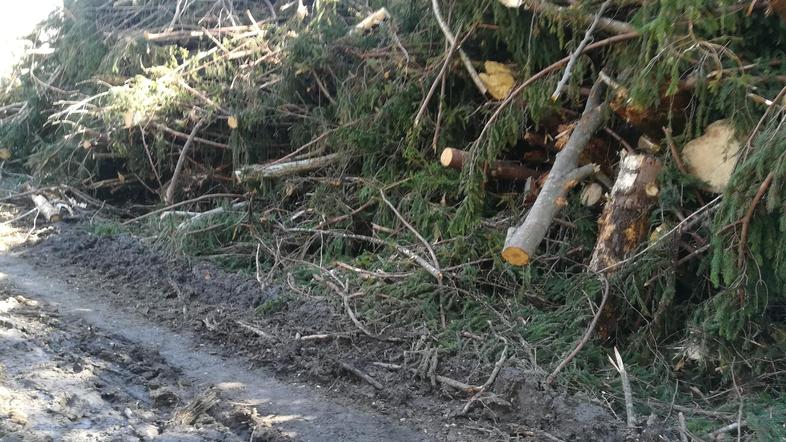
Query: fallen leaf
[
  {"x": 498, "y": 78},
  {"x": 5, "y": 154},
  {"x": 232, "y": 122}
]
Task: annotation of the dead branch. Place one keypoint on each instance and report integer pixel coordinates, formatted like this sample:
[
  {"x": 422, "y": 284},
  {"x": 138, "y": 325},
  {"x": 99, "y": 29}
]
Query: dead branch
[
  {"x": 361, "y": 374},
  {"x": 544, "y": 7},
  {"x": 500, "y": 169},
  {"x": 179, "y": 36},
  {"x": 184, "y": 136},
  {"x": 497, "y": 367},
  {"x": 169, "y": 196},
  {"x": 579, "y": 49},
  {"x": 522, "y": 241},
  {"x": 371, "y": 21},
  {"x": 746, "y": 220},
  {"x": 417, "y": 234},
  {"x": 473, "y": 74},
  {"x": 256, "y": 172},
  {"x": 587, "y": 334},
  {"x": 620, "y": 367}
]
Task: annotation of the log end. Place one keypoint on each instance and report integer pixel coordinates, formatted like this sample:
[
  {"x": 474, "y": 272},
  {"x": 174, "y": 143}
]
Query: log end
[
  {"x": 447, "y": 156},
  {"x": 515, "y": 256}
]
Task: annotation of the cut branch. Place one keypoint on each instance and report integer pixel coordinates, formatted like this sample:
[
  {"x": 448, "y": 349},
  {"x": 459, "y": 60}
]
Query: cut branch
[
  {"x": 605, "y": 24},
  {"x": 256, "y": 172},
  {"x": 50, "y": 212},
  {"x": 522, "y": 241},
  {"x": 504, "y": 170}
]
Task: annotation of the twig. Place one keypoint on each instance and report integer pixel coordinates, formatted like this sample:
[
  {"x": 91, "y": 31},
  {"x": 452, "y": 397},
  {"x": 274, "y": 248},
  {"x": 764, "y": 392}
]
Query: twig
[
  {"x": 414, "y": 232},
  {"x": 746, "y": 220},
  {"x": 620, "y": 367},
  {"x": 674, "y": 154},
  {"x": 170, "y": 191},
  {"x": 748, "y": 143},
  {"x": 458, "y": 385},
  {"x": 452, "y": 40},
  {"x": 253, "y": 329},
  {"x": 587, "y": 333},
  {"x": 433, "y": 88},
  {"x": 338, "y": 219},
  {"x": 362, "y": 375},
  {"x": 184, "y": 136},
  {"x": 579, "y": 50},
  {"x": 497, "y": 367}
]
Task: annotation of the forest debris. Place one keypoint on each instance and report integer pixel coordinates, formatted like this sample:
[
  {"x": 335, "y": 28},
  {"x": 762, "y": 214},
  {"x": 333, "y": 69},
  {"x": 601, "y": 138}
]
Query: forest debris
[
  {"x": 522, "y": 241},
  {"x": 198, "y": 406},
  {"x": 713, "y": 156},
  {"x": 5, "y": 154},
  {"x": 46, "y": 208},
  {"x": 591, "y": 194},
  {"x": 370, "y": 22},
  {"x": 506, "y": 170},
  {"x": 257, "y": 172},
  {"x": 624, "y": 223},
  {"x": 498, "y": 78}
]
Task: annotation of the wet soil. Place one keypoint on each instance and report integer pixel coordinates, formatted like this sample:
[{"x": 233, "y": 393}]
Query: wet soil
[{"x": 309, "y": 339}]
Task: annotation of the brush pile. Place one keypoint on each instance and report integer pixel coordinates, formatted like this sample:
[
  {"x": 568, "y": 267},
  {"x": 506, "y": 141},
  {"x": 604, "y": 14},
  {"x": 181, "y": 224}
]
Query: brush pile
[{"x": 480, "y": 167}]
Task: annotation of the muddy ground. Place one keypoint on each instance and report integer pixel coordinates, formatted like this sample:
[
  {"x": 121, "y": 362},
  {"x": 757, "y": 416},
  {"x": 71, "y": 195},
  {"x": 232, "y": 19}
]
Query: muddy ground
[{"x": 308, "y": 340}]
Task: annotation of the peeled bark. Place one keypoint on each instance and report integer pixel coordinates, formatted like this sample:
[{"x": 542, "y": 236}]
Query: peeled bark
[
  {"x": 624, "y": 223},
  {"x": 256, "y": 172},
  {"x": 505, "y": 170}
]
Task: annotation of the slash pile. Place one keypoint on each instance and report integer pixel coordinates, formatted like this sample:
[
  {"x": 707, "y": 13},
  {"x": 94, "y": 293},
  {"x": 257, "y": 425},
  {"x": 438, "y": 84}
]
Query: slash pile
[{"x": 567, "y": 176}]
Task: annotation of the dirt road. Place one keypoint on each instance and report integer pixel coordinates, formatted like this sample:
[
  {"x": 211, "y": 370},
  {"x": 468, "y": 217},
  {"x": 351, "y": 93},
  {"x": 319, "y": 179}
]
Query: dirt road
[{"x": 73, "y": 368}]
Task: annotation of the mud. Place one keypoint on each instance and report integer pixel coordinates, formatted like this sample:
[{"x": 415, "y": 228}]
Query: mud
[
  {"x": 217, "y": 307},
  {"x": 62, "y": 379}
]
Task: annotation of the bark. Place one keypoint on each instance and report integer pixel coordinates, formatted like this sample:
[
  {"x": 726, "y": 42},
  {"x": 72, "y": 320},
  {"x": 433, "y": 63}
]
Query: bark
[
  {"x": 522, "y": 241},
  {"x": 504, "y": 170},
  {"x": 50, "y": 212},
  {"x": 256, "y": 172},
  {"x": 624, "y": 223}
]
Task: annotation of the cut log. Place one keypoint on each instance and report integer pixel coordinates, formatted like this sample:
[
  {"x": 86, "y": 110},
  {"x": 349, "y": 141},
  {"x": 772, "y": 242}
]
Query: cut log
[
  {"x": 256, "y": 172},
  {"x": 504, "y": 170},
  {"x": 591, "y": 194},
  {"x": 522, "y": 241},
  {"x": 50, "y": 212},
  {"x": 624, "y": 223}
]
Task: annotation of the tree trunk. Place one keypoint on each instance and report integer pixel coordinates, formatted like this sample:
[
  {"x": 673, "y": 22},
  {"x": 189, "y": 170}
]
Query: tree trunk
[
  {"x": 504, "y": 170},
  {"x": 624, "y": 223}
]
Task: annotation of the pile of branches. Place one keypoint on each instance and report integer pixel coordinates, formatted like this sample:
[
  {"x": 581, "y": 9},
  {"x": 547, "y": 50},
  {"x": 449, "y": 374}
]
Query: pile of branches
[{"x": 497, "y": 159}]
